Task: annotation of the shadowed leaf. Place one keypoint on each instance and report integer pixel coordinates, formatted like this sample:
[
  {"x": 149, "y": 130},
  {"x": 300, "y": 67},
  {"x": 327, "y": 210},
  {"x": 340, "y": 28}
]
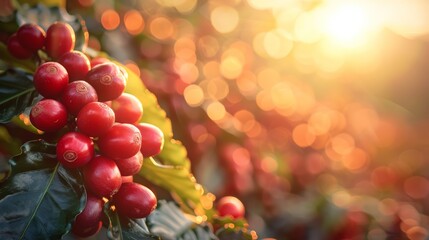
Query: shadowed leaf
[
  {"x": 16, "y": 93},
  {"x": 40, "y": 198}
]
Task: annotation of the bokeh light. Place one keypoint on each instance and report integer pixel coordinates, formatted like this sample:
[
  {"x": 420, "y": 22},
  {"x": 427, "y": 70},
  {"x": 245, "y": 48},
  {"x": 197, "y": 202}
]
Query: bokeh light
[
  {"x": 303, "y": 136},
  {"x": 161, "y": 28},
  {"x": 277, "y": 44},
  {"x": 134, "y": 22},
  {"x": 216, "y": 111},
  {"x": 194, "y": 95},
  {"x": 224, "y": 18},
  {"x": 110, "y": 19}
]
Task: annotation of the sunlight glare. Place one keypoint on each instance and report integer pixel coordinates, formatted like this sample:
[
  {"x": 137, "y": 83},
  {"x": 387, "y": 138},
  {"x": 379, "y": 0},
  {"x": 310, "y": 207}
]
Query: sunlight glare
[{"x": 346, "y": 24}]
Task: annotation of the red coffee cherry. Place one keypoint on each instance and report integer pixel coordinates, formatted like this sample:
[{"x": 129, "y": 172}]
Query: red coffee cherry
[
  {"x": 127, "y": 108},
  {"x": 230, "y": 206},
  {"x": 98, "y": 60},
  {"x": 50, "y": 79},
  {"x": 88, "y": 222},
  {"x": 16, "y": 49},
  {"x": 74, "y": 150},
  {"x": 107, "y": 80},
  {"x": 76, "y": 95},
  {"x": 31, "y": 37},
  {"x": 102, "y": 176},
  {"x": 95, "y": 119},
  {"x": 134, "y": 200},
  {"x": 60, "y": 38},
  {"x": 152, "y": 139},
  {"x": 84, "y": 232},
  {"x": 48, "y": 115},
  {"x": 121, "y": 141},
  {"x": 130, "y": 166},
  {"x": 76, "y": 63}
]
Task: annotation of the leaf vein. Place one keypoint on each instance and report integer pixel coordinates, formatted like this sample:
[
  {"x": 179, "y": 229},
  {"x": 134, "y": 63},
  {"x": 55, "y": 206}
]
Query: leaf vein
[{"x": 39, "y": 202}]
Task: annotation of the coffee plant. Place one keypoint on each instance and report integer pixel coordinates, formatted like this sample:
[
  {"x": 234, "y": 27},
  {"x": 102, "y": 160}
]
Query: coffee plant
[{"x": 98, "y": 157}]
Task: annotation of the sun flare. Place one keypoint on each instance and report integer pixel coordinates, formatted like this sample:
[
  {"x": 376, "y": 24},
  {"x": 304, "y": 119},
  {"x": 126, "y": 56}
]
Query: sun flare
[{"x": 347, "y": 24}]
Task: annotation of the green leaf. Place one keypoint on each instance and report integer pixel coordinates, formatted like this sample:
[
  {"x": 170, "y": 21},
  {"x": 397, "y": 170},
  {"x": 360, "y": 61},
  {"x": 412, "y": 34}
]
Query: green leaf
[
  {"x": 233, "y": 233},
  {"x": 40, "y": 198},
  {"x": 175, "y": 153},
  {"x": 44, "y": 16},
  {"x": 233, "y": 229},
  {"x": 23, "y": 121},
  {"x": 16, "y": 93},
  {"x": 129, "y": 229},
  {"x": 137, "y": 229},
  {"x": 176, "y": 179},
  {"x": 169, "y": 222},
  {"x": 222, "y": 221}
]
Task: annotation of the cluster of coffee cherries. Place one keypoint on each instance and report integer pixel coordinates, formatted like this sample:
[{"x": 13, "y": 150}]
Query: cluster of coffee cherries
[{"x": 103, "y": 137}]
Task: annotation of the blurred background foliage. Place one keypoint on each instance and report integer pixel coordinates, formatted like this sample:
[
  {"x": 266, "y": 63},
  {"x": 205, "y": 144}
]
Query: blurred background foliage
[{"x": 313, "y": 112}]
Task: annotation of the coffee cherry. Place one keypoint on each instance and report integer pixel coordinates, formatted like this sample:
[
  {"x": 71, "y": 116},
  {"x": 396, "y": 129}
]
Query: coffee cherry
[
  {"x": 95, "y": 119},
  {"x": 152, "y": 139},
  {"x": 102, "y": 176},
  {"x": 121, "y": 141},
  {"x": 230, "y": 206},
  {"x": 98, "y": 60},
  {"x": 86, "y": 232},
  {"x": 31, "y": 37},
  {"x": 88, "y": 222},
  {"x": 76, "y": 63},
  {"x": 60, "y": 38},
  {"x": 130, "y": 166},
  {"x": 50, "y": 79},
  {"x": 76, "y": 95},
  {"x": 48, "y": 115},
  {"x": 134, "y": 200},
  {"x": 127, "y": 108},
  {"x": 107, "y": 80},
  {"x": 74, "y": 150},
  {"x": 16, "y": 49}
]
